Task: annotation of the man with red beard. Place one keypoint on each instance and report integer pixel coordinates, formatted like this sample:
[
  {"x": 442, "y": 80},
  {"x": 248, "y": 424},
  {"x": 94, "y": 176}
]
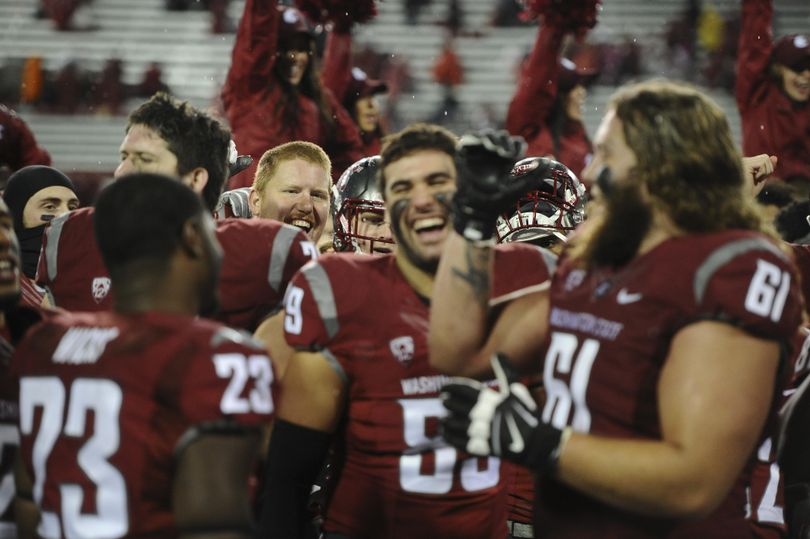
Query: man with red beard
[
  {"x": 662, "y": 333},
  {"x": 173, "y": 138}
]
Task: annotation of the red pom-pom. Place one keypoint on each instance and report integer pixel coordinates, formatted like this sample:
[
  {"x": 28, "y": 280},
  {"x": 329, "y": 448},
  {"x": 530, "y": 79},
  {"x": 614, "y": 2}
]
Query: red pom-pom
[
  {"x": 343, "y": 13},
  {"x": 577, "y": 16}
]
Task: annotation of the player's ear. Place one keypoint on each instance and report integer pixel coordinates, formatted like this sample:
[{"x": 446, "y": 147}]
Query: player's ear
[
  {"x": 255, "y": 202},
  {"x": 191, "y": 240},
  {"x": 197, "y": 179}
]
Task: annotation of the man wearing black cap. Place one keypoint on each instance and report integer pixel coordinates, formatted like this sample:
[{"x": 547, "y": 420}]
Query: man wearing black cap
[
  {"x": 773, "y": 91},
  {"x": 36, "y": 195}
]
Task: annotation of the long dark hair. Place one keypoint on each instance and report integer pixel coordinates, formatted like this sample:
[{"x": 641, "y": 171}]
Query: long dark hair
[{"x": 310, "y": 86}]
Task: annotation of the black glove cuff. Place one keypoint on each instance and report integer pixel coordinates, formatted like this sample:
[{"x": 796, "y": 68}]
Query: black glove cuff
[
  {"x": 473, "y": 225},
  {"x": 544, "y": 449}
]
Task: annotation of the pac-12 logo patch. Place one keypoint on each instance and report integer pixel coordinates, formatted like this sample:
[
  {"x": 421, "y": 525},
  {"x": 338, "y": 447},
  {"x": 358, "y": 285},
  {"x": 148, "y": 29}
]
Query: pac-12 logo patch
[
  {"x": 402, "y": 348},
  {"x": 101, "y": 287}
]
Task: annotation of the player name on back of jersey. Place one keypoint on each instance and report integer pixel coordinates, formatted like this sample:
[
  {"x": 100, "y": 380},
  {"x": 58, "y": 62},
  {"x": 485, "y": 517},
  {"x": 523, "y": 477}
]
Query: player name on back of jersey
[{"x": 80, "y": 346}]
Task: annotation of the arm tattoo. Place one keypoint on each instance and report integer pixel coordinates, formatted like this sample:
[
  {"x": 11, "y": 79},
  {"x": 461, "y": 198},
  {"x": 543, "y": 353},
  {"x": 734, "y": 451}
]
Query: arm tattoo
[{"x": 477, "y": 273}]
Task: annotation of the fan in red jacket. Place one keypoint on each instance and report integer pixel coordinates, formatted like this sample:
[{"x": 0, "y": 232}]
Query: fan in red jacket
[
  {"x": 546, "y": 109},
  {"x": 272, "y": 93},
  {"x": 354, "y": 89},
  {"x": 773, "y": 90}
]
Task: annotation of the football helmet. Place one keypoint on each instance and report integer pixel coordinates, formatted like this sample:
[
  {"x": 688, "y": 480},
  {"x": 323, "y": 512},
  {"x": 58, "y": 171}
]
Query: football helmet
[
  {"x": 358, "y": 210},
  {"x": 546, "y": 215}
]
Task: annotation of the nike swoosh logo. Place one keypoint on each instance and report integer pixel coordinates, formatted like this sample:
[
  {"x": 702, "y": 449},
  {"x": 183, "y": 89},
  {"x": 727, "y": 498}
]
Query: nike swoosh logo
[
  {"x": 624, "y": 297},
  {"x": 516, "y": 444}
]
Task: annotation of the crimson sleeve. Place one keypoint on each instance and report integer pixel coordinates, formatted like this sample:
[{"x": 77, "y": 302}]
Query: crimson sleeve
[
  {"x": 520, "y": 269},
  {"x": 754, "y": 51},
  {"x": 346, "y": 147},
  {"x": 752, "y": 285},
  {"x": 310, "y": 320},
  {"x": 537, "y": 85},
  {"x": 337, "y": 63},
  {"x": 254, "y": 52}
]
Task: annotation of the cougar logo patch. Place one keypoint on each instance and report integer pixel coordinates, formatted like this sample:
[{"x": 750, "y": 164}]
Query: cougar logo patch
[
  {"x": 101, "y": 287},
  {"x": 402, "y": 348}
]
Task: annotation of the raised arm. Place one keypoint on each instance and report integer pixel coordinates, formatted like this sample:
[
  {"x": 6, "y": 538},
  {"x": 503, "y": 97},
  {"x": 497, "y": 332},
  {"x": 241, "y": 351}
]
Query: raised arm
[
  {"x": 537, "y": 85},
  {"x": 254, "y": 51},
  {"x": 463, "y": 345},
  {"x": 337, "y": 63},
  {"x": 754, "y": 51}
]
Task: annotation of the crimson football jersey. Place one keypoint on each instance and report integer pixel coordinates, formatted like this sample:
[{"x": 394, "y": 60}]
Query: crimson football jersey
[
  {"x": 260, "y": 257},
  {"x": 17, "y": 322},
  {"x": 399, "y": 479},
  {"x": 104, "y": 399},
  {"x": 609, "y": 333},
  {"x": 766, "y": 498}
]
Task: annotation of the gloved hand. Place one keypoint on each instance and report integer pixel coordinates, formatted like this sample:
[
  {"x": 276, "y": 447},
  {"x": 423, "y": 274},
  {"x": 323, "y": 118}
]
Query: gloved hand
[
  {"x": 233, "y": 203},
  {"x": 483, "y": 162},
  {"x": 483, "y": 421}
]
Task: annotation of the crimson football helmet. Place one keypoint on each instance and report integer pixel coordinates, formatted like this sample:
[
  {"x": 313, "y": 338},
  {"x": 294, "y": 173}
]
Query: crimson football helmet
[
  {"x": 358, "y": 210},
  {"x": 546, "y": 215}
]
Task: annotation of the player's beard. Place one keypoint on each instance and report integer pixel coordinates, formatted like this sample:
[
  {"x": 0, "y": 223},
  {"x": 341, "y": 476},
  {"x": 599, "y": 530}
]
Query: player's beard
[{"x": 625, "y": 221}]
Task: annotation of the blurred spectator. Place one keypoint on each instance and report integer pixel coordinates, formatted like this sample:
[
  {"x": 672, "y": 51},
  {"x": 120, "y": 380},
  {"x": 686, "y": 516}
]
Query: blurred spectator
[
  {"x": 454, "y": 20},
  {"x": 70, "y": 89},
  {"x": 412, "y": 10},
  {"x": 546, "y": 109},
  {"x": 449, "y": 73},
  {"x": 507, "y": 13},
  {"x": 110, "y": 91},
  {"x": 152, "y": 82},
  {"x": 448, "y": 70},
  {"x": 18, "y": 147},
  {"x": 62, "y": 14},
  {"x": 273, "y": 95},
  {"x": 681, "y": 40},
  {"x": 721, "y": 68},
  {"x": 32, "y": 81},
  {"x": 773, "y": 93}
]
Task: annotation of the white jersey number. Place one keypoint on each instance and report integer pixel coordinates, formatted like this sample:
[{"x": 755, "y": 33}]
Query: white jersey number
[
  {"x": 239, "y": 369},
  {"x": 768, "y": 291},
  {"x": 103, "y": 398},
  {"x": 562, "y": 358},
  {"x": 411, "y": 477}
]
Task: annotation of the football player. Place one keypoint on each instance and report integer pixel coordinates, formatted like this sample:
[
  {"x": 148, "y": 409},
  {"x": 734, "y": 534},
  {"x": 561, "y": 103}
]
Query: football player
[
  {"x": 358, "y": 325},
  {"x": 134, "y": 404},
  {"x": 173, "y": 138},
  {"x": 662, "y": 332},
  {"x": 358, "y": 210},
  {"x": 17, "y": 317}
]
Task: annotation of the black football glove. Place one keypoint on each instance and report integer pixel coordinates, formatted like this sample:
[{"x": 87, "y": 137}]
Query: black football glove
[
  {"x": 241, "y": 163},
  {"x": 483, "y": 162},
  {"x": 483, "y": 421}
]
